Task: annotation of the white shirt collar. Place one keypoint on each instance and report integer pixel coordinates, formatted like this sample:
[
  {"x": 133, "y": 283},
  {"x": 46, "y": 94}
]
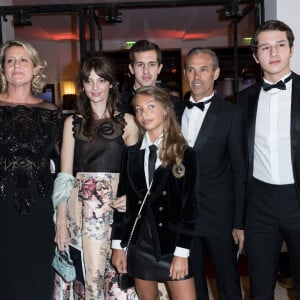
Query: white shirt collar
[
  {"x": 283, "y": 78},
  {"x": 147, "y": 142},
  {"x": 203, "y": 99}
]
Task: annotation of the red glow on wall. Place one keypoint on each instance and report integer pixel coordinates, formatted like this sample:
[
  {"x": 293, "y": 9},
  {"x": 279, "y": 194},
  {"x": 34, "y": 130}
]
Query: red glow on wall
[
  {"x": 65, "y": 36},
  {"x": 196, "y": 36}
]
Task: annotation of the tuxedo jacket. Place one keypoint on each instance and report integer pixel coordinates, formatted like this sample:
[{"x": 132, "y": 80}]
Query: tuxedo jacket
[
  {"x": 170, "y": 206},
  {"x": 248, "y": 100},
  {"x": 221, "y": 170}
]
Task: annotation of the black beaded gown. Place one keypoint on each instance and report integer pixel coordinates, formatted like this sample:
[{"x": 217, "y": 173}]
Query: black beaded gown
[{"x": 28, "y": 135}]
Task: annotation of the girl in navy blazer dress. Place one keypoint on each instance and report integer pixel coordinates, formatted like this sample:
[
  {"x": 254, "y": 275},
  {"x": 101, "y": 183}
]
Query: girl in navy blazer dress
[{"x": 159, "y": 247}]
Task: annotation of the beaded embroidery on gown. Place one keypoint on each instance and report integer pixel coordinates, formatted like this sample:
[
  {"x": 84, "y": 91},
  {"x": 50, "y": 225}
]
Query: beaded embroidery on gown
[
  {"x": 96, "y": 167},
  {"x": 28, "y": 136}
]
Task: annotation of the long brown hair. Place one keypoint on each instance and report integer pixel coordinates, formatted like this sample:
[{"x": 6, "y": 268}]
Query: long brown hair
[
  {"x": 173, "y": 142},
  {"x": 104, "y": 68}
]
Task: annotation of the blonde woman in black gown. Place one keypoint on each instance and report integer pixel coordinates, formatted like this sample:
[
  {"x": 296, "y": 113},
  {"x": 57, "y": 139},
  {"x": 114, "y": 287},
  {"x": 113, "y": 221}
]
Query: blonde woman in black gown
[{"x": 30, "y": 130}]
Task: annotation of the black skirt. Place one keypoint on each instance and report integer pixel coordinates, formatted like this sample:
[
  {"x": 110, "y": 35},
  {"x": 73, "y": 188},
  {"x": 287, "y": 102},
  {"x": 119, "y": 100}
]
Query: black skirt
[{"x": 142, "y": 262}]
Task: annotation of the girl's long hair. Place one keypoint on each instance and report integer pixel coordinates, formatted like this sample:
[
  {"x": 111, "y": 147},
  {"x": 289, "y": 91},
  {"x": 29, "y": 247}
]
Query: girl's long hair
[{"x": 173, "y": 143}]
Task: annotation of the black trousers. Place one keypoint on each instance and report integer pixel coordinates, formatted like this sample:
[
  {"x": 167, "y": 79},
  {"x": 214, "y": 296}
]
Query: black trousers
[
  {"x": 273, "y": 215},
  {"x": 223, "y": 253}
]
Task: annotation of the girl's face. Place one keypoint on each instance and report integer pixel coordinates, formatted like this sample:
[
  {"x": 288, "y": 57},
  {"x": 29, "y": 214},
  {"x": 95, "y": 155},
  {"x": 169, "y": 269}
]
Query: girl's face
[
  {"x": 150, "y": 115},
  {"x": 96, "y": 88}
]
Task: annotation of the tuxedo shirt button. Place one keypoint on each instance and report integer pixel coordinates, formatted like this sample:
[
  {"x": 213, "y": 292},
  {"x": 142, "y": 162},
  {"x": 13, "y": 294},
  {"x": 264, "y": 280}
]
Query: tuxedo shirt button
[
  {"x": 164, "y": 193},
  {"x": 160, "y": 224},
  {"x": 160, "y": 208},
  {"x": 139, "y": 202},
  {"x": 139, "y": 216}
]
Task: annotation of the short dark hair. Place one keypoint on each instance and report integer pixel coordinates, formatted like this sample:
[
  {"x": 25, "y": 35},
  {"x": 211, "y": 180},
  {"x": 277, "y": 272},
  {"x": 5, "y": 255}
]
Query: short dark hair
[
  {"x": 272, "y": 25},
  {"x": 142, "y": 46}
]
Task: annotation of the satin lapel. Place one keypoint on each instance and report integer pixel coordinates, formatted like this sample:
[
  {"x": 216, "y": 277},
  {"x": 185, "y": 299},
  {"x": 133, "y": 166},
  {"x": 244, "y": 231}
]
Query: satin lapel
[
  {"x": 136, "y": 173},
  {"x": 295, "y": 116},
  {"x": 251, "y": 120},
  {"x": 207, "y": 125}
]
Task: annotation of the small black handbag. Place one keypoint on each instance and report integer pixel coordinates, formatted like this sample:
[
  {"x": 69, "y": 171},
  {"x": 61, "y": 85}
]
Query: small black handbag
[{"x": 125, "y": 281}]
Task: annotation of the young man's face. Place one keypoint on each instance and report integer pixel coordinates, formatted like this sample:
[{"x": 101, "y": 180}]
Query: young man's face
[
  {"x": 273, "y": 54},
  {"x": 145, "y": 68}
]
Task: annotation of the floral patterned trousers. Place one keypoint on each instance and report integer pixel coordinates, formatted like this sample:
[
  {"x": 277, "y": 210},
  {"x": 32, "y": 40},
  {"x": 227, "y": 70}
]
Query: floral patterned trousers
[{"x": 89, "y": 223}]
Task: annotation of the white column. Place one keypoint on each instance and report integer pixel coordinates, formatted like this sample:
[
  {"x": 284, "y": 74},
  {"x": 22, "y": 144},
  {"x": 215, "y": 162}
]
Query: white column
[
  {"x": 8, "y": 32},
  {"x": 288, "y": 12}
]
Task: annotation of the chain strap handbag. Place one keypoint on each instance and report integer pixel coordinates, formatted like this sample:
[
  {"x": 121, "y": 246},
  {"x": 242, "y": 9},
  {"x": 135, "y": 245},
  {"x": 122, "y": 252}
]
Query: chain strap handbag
[
  {"x": 63, "y": 265},
  {"x": 126, "y": 281}
]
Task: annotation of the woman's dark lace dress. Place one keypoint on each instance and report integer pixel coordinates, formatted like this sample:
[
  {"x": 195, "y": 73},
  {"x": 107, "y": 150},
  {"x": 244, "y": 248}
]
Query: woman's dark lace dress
[
  {"x": 105, "y": 153},
  {"x": 28, "y": 135}
]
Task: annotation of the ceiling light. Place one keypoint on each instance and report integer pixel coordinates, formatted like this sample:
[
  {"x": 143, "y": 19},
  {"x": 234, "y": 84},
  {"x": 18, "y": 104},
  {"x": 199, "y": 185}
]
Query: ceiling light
[
  {"x": 112, "y": 15},
  {"x": 232, "y": 10},
  {"x": 22, "y": 18}
]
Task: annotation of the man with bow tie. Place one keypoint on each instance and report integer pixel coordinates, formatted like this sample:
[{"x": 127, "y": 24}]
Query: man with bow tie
[
  {"x": 213, "y": 127},
  {"x": 272, "y": 114}
]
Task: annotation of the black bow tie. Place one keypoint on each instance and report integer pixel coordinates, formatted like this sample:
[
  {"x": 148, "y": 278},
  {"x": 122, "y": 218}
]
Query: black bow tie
[
  {"x": 200, "y": 104},
  {"x": 278, "y": 85}
]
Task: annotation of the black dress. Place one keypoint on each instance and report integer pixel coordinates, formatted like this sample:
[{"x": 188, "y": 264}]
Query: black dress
[{"x": 28, "y": 135}]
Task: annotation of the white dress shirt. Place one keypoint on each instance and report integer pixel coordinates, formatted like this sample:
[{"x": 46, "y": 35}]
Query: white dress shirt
[
  {"x": 192, "y": 120},
  {"x": 272, "y": 146},
  {"x": 145, "y": 145}
]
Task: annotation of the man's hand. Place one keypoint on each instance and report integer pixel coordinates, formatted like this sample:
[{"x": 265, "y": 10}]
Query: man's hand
[{"x": 239, "y": 238}]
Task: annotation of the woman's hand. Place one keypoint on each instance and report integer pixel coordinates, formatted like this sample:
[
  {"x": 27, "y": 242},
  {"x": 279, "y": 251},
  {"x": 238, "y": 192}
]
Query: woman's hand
[
  {"x": 62, "y": 235},
  {"x": 120, "y": 204},
  {"x": 179, "y": 268},
  {"x": 118, "y": 260}
]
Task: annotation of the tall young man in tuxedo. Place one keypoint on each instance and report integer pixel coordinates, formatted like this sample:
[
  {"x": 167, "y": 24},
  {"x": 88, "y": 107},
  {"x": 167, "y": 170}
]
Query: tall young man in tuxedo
[
  {"x": 213, "y": 127},
  {"x": 272, "y": 114}
]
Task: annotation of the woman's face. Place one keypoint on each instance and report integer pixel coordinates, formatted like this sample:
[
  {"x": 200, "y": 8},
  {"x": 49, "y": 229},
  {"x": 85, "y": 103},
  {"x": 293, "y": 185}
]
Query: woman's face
[
  {"x": 150, "y": 115},
  {"x": 18, "y": 67},
  {"x": 96, "y": 88}
]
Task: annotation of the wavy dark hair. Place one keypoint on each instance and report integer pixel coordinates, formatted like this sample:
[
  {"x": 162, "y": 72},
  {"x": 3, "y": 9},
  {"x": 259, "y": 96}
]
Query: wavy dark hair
[
  {"x": 173, "y": 142},
  {"x": 272, "y": 25},
  {"x": 39, "y": 78},
  {"x": 104, "y": 68}
]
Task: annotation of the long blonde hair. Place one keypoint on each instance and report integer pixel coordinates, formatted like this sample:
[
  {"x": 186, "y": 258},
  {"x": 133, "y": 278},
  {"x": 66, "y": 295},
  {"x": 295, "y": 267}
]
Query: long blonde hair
[{"x": 173, "y": 142}]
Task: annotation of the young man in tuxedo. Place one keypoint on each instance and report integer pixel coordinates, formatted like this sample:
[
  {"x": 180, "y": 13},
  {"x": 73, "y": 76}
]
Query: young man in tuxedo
[
  {"x": 145, "y": 64},
  {"x": 213, "y": 127},
  {"x": 272, "y": 113}
]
